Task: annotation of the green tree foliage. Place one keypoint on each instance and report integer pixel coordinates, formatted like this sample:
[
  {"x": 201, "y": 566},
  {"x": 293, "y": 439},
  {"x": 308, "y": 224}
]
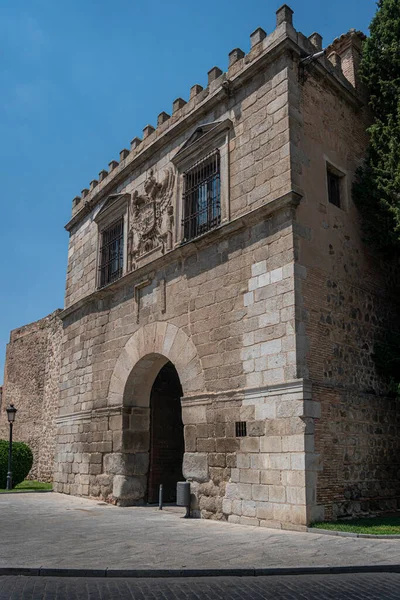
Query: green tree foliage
[
  {"x": 377, "y": 189},
  {"x": 22, "y": 460}
]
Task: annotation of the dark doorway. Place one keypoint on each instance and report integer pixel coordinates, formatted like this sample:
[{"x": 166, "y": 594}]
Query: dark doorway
[{"x": 166, "y": 435}]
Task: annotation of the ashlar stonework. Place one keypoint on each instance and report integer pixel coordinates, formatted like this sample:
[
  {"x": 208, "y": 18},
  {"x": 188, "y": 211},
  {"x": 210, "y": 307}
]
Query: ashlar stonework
[{"x": 233, "y": 271}]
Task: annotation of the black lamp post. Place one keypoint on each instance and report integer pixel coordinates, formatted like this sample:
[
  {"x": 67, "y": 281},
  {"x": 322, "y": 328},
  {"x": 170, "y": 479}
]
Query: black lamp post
[{"x": 11, "y": 410}]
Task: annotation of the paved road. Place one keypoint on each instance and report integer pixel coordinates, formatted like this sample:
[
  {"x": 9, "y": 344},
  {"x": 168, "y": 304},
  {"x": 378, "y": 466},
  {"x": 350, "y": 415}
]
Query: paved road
[
  {"x": 59, "y": 531},
  {"x": 304, "y": 587}
]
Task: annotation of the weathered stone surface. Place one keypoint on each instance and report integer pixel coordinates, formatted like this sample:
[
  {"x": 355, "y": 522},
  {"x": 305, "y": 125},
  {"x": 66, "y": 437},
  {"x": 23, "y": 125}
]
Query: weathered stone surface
[
  {"x": 195, "y": 466},
  {"x": 31, "y": 380},
  {"x": 129, "y": 488},
  {"x": 270, "y": 319}
]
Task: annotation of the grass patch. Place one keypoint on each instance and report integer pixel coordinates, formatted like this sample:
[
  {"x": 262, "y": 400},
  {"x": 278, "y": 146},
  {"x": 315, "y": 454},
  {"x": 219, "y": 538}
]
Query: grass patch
[
  {"x": 373, "y": 525},
  {"x": 28, "y": 485}
]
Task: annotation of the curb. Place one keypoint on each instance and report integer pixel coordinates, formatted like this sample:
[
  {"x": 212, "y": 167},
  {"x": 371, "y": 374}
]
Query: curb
[
  {"x": 153, "y": 573},
  {"x": 27, "y": 492},
  {"x": 350, "y": 534}
]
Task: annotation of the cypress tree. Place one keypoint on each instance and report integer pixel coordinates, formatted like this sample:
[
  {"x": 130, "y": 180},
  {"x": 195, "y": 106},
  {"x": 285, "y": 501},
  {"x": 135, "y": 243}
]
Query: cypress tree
[{"x": 376, "y": 191}]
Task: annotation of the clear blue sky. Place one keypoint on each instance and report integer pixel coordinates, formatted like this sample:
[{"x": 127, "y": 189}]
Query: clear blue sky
[{"x": 79, "y": 80}]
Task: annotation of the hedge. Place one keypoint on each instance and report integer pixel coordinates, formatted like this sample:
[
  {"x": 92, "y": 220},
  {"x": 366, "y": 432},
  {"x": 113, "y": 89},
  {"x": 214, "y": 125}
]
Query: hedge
[{"x": 22, "y": 459}]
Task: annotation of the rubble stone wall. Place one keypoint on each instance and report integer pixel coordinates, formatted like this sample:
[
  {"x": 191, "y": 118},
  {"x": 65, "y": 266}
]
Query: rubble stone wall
[
  {"x": 345, "y": 303},
  {"x": 31, "y": 378}
]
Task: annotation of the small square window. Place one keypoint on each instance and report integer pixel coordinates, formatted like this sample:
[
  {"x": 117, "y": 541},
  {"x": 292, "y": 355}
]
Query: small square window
[
  {"x": 112, "y": 253},
  {"x": 241, "y": 429},
  {"x": 334, "y": 187}
]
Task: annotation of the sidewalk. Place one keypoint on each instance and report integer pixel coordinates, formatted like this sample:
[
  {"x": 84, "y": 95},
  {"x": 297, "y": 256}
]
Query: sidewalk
[{"x": 55, "y": 531}]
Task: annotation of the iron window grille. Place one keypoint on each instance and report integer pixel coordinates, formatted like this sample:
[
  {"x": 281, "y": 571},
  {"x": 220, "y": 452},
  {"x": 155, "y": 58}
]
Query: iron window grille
[
  {"x": 202, "y": 197},
  {"x": 334, "y": 184},
  {"x": 112, "y": 253},
  {"x": 241, "y": 428}
]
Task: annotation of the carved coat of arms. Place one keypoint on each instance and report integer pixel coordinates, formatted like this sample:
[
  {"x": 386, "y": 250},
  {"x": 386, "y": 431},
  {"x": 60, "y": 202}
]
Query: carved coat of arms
[{"x": 151, "y": 218}]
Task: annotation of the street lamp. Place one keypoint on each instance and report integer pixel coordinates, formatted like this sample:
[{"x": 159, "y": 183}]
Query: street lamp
[{"x": 11, "y": 411}]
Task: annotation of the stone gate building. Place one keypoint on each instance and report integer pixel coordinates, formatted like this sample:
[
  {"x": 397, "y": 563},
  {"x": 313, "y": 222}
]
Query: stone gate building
[{"x": 221, "y": 308}]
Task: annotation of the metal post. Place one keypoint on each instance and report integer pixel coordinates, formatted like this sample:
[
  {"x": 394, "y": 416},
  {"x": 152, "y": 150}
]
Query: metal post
[
  {"x": 9, "y": 474},
  {"x": 160, "y": 497}
]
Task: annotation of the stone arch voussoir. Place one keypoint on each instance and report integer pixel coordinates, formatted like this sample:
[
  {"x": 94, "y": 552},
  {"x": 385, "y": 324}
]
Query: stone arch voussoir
[{"x": 165, "y": 341}]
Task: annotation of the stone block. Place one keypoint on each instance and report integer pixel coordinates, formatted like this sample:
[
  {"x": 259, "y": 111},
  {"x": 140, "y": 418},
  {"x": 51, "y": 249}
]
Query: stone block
[
  {"x": 234, "y": 519},
  {"x": 244, "y": 491},
  {"x": 226, "y": 506},
  {"x": 272, "y": 347},
  {"x": 194, "y": 414},
  {"x": 264, "y": 510},
  {"x": 255, "y": 428},
  {"x": 235, "y": 475},
  {"x": 162, "y": 118},
  {"x": 293, "y": 443},
  {"x": 178, "y": 104},
  {"x": 266, "y": 411},
  {"x": 206, "y": 445},
  {"x": 232, "y": 491},
  {"x": 237, "y": 507},
  {"x": 271, "y": 443},
  {"x": 257, "y": 36},
  {"x": 148, "y": 130},
  {"x": 260, "y": 493},
  {"x": 235, "y": 55},
  {"x": 249, "y": 521},
  {"x": 271, "y": 477},
  {"x": 136, "y": 441},
  {"x": 195, "y": 466},
  {"x": 296, "y": 495},
  {"x": 243, "y": 461},
  {"x": 316, "y": 40},
  {"x": 248, "y": 508},
  {"x": 190, "y": 438},
  {"x": 249, "y": 476},
  {"x": 213, "y": 74},
  {"x": 280, "y": 461},
  {"x": 129, "y": 488},
  {"x": 195, "y": 90},
  {"x": 277, "y": 493},
  {"x": 248, "y": 444},
  {"x": 284, "y": 14}
]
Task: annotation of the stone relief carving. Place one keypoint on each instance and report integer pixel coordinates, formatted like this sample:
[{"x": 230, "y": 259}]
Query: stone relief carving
[{"x": 151, "y": 218}]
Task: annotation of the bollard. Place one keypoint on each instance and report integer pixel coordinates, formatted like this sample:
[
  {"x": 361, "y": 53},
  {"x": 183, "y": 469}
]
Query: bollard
[{"x": 160, "y": 497}]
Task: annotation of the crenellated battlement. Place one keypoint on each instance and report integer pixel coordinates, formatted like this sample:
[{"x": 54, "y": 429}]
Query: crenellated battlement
[{"x": 220, "y": 84}]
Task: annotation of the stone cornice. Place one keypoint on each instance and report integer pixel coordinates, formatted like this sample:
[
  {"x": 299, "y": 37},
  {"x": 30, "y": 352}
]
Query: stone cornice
[
  {"x": 296, "y": 386},
  {"x": 81, "y": 416},
  {"x": 288, "y": 201}
]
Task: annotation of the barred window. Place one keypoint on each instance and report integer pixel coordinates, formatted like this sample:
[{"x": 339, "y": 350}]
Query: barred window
[
  {"x": 202, "y": 197},
  {"x": 241, "y": 428},
  {"x": 112, "y": 253}
]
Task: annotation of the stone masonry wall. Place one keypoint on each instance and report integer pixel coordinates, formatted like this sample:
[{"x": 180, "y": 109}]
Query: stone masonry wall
[
  {"x": 233, "y": 297},
  {"x": 344, "y": 305},
  {"x": 31, "y": 378},
  {"x": 259, "y": 162}
]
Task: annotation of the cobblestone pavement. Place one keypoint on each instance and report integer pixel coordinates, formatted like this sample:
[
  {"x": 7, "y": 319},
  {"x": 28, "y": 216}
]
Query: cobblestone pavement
[
  {"x": 59, "y": 531},
  {"x": 328, "y": 587}
]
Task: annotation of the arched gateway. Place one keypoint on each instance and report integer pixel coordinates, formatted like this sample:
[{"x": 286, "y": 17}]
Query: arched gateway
[{"x": 158, "y": 365}]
